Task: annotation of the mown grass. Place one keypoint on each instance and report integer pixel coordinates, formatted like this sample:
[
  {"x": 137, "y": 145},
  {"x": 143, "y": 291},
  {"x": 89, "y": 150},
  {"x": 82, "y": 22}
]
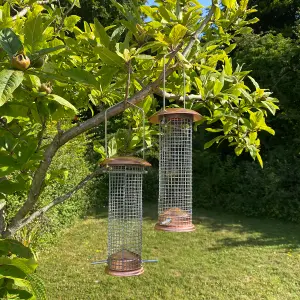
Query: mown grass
[{"x": 228, "y": 257}]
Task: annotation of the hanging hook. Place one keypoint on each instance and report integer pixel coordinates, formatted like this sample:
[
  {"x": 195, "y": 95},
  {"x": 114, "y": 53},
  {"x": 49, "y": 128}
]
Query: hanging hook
[
  {"x": 139, "y": 108},
  {"x": 164, "y": 82},
  {"x": 143, "y": 113}
]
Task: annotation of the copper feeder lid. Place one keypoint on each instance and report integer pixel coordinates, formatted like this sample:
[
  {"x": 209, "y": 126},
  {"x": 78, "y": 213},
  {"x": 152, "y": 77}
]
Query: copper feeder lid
[
  {"x": 175, "y": 112},
  {"x": 125, "y": 161}
]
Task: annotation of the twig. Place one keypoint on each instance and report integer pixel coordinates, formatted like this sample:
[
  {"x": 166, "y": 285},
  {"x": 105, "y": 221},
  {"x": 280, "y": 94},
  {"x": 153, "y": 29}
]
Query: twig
[
  {"x": 64, "y": 17},
  {"x": 58, "y": 200},
  {"x": 25, "y": 10},
  {"x": 171, "y": 96},
  {"x": 198, "y": 32}
]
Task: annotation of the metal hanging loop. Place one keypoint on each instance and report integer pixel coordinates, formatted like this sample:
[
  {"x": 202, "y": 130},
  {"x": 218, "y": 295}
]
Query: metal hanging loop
[
  {"x": 184, "y": 94},
  {"x": 164, "y": 82},
  {"x": 125, "y": 104}
]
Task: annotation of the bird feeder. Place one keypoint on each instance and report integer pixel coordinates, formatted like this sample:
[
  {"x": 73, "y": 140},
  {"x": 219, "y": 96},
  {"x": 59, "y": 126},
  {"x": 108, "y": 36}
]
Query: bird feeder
[
  {"x": 175, "y": 168},
  {"x": 125, "y": 215}
]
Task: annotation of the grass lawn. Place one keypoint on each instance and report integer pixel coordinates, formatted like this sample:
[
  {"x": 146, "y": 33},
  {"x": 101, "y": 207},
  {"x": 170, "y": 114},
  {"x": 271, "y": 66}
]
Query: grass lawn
[{"x": 228, "y": 257}]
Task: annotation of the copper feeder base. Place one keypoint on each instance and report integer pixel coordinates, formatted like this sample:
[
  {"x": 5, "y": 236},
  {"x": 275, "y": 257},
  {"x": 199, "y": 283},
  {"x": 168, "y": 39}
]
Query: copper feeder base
[
  {"x": 175, "y": 220},
  {"x": 124, "y": 273},
  {"x": 187, "y": 228}
]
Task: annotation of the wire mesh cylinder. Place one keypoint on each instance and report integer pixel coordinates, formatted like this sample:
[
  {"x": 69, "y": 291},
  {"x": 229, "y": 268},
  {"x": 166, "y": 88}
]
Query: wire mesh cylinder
[
  {"x": 175, "y": 171},
  {"x": 125, "y": 220}
]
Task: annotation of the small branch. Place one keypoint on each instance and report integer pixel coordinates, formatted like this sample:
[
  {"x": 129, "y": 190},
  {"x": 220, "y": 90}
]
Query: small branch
[
  {"x": 64, "y": 17},
  {"x": 55, "y": 202},
  {"x": 170, "y": 96},
  {"x": 25, "y": 10},
  {"x": 192, "y": 41},
  {"x": 128, "y": 64}
]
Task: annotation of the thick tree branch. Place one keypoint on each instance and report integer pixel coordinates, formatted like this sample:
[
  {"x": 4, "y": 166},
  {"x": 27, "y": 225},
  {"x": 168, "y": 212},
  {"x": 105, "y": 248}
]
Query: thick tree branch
[
  {"x": 199, "y": 31},
  {"x": 44, "y": 209}
]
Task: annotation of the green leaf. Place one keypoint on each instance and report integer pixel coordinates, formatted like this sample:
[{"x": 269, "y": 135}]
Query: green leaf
[
  {"x": 166, "y": 14},
  {"x": 229, "y": 3},
  {"x": 26, "y": 265},
  {"x": 217, "y": 87},
  {"x": 109, "y": 57},
  {"x": 144, "y": 56},
  {"x": 239, "y": 150},
  {"x": 259, "y": 159},
  {"x": 9, "y": 187},
  {"x": 211, "y": 142},
  {"x": 268, "y": 129},
  {"x": 19, "y": 294},
  {"x": 62, "y": 101},
  {"x": 33, "y": 31},
  {"x": 15, "y": 247},
  {"x": 112, "y": 147},
  {"x": 177, "y": 33},
  {"x": 37, "y": 286},
  {"x": 10, "y": 42},
  {"x": 149, "y": 11},
  {"x": 107, "y": 73},
  {"x": 120, "y": 7},
  {"x": 9, "y": 81},
  {"x": 226, "y": 3},
  {"x": 101, "y": 34},
  {"x": 254, "y": 82},
  {"x": 81, "y": 76},
  {"x": 48, "y": 50},
  {"x": 214, "y": 129},
  {"x": 147, "y": 104},
  {"x": 99, "y": 149},
  {"x": 217, "y": 13},
  {"x": 245, "y": 30},
  {"x": 227, "y": 66},
  {"x": 71, "y": 21},
  {"x": 199, "y": 86},
  {"x": 270, "y": 106}
]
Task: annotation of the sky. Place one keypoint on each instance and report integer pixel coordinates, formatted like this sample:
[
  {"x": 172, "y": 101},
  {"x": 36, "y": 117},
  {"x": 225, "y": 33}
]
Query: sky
[{"x": 203, "y": 2}]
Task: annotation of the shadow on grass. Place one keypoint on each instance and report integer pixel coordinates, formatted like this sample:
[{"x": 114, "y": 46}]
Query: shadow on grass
[
  {"x": 249, "y": 232},
  {"x": 243, "y": 231}
]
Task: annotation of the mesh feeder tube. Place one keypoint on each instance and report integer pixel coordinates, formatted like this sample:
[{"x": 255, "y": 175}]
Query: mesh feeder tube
[
  {"x": 175, "y": 168},
  {"x": 125, "y": 215}
]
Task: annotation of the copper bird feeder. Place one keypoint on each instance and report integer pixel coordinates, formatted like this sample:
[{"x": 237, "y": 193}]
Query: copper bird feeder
[
  {"x": 175, "y": 168},
  {"x": 125, "y": 215}
]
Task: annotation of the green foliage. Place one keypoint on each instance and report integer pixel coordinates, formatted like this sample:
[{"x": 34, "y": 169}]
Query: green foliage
[
  {"x": 62, "y": 177},
  {"x": 274, "y": 60},
  {"x": 279, "y": 16},
  {"x": 87, "y": 66},
  {"x": 237, "y": 185},
  {"x": 17, "y": 272}
]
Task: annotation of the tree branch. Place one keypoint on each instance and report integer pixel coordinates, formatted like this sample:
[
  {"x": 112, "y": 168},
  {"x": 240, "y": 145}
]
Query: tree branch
[
  {"x": 25, "y": 10},
  {"x": 199, "y": 31},
  {"x": 56, "y": 201},
  {"x": 171, "y": 96}
]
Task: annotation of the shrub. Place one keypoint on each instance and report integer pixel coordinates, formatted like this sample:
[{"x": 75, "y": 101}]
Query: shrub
[{"x": 64, "y": 214}]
